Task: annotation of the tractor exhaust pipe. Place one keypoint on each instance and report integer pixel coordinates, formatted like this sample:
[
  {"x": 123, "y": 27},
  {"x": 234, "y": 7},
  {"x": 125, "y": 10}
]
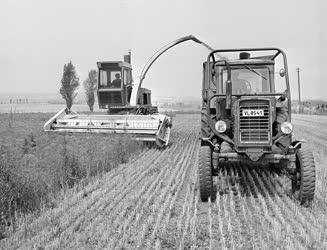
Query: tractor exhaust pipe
[{"x": 229, "y": 89}]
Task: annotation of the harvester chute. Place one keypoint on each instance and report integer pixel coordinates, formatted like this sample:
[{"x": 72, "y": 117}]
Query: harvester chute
[{"x": 129, "y": 105}]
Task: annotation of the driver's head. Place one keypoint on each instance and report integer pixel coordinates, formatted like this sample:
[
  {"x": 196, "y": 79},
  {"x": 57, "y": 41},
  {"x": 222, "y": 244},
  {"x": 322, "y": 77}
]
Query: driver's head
[{"x": 117, "y": 76}]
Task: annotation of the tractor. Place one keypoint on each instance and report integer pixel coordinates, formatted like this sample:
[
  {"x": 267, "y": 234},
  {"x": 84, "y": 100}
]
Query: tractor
[{"x": 246, "y": 118}]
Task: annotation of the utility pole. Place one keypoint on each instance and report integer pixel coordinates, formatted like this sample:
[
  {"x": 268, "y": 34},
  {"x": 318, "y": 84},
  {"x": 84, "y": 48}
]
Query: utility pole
[{"x": 299, "y": 87}]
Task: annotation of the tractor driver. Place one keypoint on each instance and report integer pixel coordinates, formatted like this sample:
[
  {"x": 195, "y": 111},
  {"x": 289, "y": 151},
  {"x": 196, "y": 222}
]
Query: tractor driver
[
  {"x": 117, "y": 82},
  {"x": 240, "y": 86}
]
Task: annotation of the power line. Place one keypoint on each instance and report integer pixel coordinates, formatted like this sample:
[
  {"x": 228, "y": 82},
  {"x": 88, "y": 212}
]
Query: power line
[{"x": 299, "y": 86}]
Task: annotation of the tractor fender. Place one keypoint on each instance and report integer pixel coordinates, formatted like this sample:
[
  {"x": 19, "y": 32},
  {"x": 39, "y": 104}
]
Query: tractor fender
[
  {"x": 297, "y": 144},
  {"x": 213, "y": 129}
]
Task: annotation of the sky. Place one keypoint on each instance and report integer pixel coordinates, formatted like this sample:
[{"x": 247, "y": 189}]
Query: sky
[{"x": 39, "y": 36}]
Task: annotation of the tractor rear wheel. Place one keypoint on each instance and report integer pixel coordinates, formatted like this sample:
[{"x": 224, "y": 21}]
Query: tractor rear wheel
[
  {"x": 303, "y": 185},
  {"x": 205, "y": 173}
]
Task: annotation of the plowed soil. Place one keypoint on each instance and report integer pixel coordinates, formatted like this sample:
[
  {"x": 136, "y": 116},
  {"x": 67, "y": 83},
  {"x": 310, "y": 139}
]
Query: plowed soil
[{"x": 153, "y": 202}]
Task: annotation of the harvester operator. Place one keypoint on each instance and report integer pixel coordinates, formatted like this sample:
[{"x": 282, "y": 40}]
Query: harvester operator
[{"x": 117, "y": 82}]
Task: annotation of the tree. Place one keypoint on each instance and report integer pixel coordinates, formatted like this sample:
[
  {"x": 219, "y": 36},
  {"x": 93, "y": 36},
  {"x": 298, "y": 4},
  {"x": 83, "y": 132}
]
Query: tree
[
  {"x": 90, "y": 85},
  {"x": 69, "y": 84}
]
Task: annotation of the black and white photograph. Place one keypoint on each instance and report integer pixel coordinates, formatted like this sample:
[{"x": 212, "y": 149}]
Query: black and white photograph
[{"x": 162, "y": 124}]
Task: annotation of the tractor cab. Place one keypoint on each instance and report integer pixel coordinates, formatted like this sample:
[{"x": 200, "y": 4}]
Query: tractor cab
[{"x": 248, "y": 77}]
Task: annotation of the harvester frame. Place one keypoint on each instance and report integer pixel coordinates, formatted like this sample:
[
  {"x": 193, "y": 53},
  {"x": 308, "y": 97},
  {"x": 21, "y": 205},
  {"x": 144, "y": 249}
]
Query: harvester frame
[{"x": 128, "y": 105}]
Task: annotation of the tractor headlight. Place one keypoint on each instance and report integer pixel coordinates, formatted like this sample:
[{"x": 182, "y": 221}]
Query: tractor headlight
[
  {"x": 221, "y": 126},
  {"x": 286, "y": 128}
]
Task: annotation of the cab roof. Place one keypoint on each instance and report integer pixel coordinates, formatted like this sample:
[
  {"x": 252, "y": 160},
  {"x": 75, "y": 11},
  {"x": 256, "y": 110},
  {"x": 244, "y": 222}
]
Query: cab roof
[
  {"x": 112, "y": 64},
  {"x": 246, "y": 61}
]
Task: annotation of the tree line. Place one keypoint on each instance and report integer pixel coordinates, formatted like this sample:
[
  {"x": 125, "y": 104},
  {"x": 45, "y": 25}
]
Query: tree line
[
  {"x": 70, "y": 82},
  {"x": 18, "y": 101}
]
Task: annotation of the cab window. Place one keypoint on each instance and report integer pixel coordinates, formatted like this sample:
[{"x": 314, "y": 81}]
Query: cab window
[
  {"x": 245, "y": 81},
  {"x": 110, "y": 78},
  {"x": 127, "y": 76}
]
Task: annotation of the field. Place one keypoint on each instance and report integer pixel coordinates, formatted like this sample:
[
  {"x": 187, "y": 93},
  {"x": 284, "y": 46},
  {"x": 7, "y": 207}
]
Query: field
[
  {"x": 35, "y": 167},
  {"x": 152, "y": 202}
]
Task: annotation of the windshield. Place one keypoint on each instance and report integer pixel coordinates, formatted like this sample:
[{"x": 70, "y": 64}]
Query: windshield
[
  {"x": 110, "y": 79},
  {"x": 246, "y": 81}
]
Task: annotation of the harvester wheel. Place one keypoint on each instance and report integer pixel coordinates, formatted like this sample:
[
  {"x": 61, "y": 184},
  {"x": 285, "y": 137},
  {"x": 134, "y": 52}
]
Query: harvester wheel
[
  {"x": 205, "y": 174},
  {"x": 303, "y": 185}
]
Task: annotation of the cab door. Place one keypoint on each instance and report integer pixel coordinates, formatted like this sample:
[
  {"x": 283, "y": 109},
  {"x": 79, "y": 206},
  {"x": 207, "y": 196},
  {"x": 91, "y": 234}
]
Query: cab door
[
  {"x": 127, "y": 80},
  {"x": 110, "y": 88}
]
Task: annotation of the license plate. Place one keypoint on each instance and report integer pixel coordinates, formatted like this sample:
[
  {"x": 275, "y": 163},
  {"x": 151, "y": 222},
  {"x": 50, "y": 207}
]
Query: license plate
[{"x": 253, "y": 112}]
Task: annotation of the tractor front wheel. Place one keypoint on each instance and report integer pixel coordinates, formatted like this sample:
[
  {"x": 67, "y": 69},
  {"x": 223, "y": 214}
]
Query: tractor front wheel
[
  {"x": 303, "y": 183},
  {"x": 205, "y": 173}
]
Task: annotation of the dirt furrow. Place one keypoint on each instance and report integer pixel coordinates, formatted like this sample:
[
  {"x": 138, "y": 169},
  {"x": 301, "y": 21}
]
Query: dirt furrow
[
  {"x": 218, "y": 239},
  {"x": 193, "y": 223},
  {"x": 71, "y": 220},
  {"x": 146, "y": 199},
  {"x": 302, "y": 224},
  {"x": 245, "y": 220},
  {"x": 253, "y": 220},
  {"x": 43, "y": 226},
  {"x": 174, "y": 212},
  {"x": 161, "y": 157},
  {"x": 271, "y": 212},
  {"x": 258, "y": 207},
  {"x": 128, "y": 203},
  {"x": 172, "y": 188},
  {"x": 105, "y": 204},
  {"x": 202, "y": 229},
  {"x": 188, "y": 207}
]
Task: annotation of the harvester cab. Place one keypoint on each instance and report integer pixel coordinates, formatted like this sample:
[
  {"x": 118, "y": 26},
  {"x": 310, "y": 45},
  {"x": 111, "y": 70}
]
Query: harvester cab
[
  {"x": 246, "y": 118},
  {"x": 115, "y": 85},
  {"x": 128, "y": 104}
]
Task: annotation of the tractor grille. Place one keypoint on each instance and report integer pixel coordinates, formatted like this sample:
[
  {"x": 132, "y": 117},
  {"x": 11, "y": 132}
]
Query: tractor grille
[{"x": 254, "y": 128}]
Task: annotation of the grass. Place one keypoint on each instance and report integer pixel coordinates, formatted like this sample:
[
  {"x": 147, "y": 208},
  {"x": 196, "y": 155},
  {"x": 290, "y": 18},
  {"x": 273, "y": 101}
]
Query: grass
[
  {"x": 35, "y": 166},
  {"x": 152, "y": 201}
]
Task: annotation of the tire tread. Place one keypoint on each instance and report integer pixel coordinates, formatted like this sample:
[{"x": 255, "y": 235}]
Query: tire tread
[
  {"x": 205, "y": 173},
  {"x": 308, "y": 175}
]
